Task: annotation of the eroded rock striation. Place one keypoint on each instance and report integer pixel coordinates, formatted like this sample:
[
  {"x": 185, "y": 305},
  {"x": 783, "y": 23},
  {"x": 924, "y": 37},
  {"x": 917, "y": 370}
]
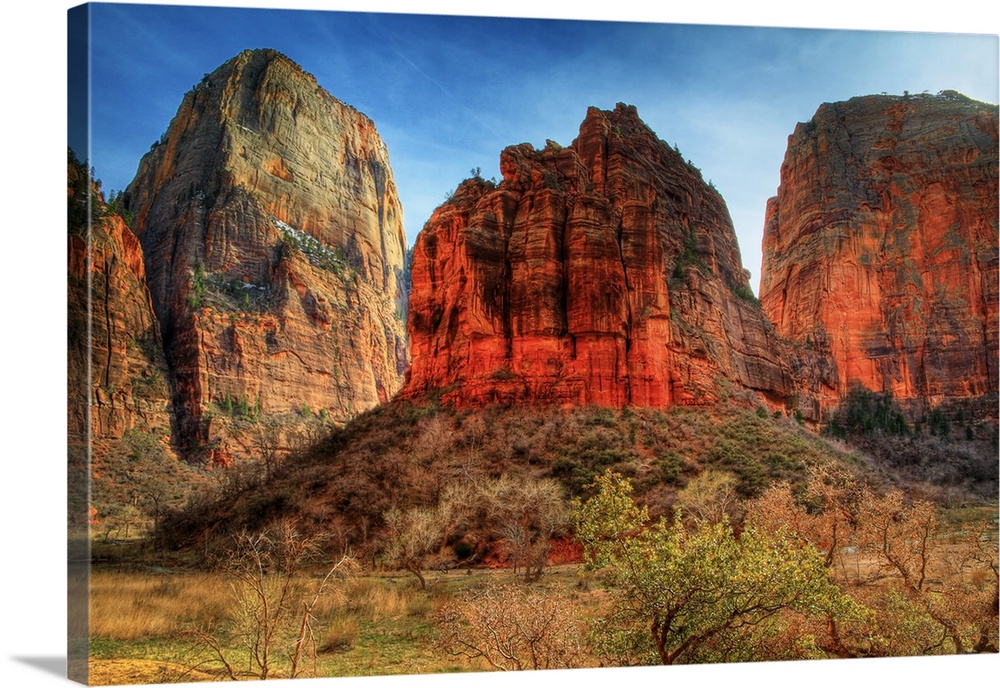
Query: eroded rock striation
[
  {"x": 604, "y": 272},
  {"x": 116, "y": 368},
  {"x": 880, "y": 247},
  {"x": 273, "y": 243}
]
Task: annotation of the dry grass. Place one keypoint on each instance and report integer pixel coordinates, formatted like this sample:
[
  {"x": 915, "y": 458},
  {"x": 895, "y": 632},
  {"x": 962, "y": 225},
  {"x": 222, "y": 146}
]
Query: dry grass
[
  {"x": 339, "y": 634},
  {"x": 376, "y": 600},
  {"x": 366, "y": 602},
  {"x": 116, "y": 672},
  {"x": 368, "y": 625},
  {"x": 129, "y": 606}
]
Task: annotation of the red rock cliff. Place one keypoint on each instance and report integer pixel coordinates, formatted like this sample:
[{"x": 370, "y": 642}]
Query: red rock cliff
[
  {"x": 273, "y": 247},
  {"x": 605, "y": 272},
  {"x": 880, "y": 248},
  {"x": 116, "y": 370}
]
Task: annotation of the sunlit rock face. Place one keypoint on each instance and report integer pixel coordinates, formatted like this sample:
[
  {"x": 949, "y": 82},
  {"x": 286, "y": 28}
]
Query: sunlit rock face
[
  {"x": 274, "y": 249},
  {"x": 116, "y": 369},
  {"x": 605, "y": 272},
  {"x": 880, "y": 247}
]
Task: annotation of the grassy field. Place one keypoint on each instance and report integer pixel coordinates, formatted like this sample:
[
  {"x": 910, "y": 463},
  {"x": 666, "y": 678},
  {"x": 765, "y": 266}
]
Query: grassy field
[
  {"x": 158, "y": 626},
  {"x": 147, "y": 627}
]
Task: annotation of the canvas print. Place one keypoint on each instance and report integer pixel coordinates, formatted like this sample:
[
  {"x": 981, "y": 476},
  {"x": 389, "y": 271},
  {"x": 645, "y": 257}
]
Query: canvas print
[{"x": 404, "y": 344}]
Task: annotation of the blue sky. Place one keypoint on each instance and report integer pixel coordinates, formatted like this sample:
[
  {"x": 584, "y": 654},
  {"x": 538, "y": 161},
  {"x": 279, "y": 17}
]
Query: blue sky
[{"x": 448, "y": 93}]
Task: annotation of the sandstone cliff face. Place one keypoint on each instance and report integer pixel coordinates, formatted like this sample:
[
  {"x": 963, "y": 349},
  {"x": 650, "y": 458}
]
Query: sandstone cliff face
[
  {"x": 116, "y": 368},
  {"x": 605, "y": 272},
  {"x": 273, "y": 248},
  {"x": 880, "y": 248}
]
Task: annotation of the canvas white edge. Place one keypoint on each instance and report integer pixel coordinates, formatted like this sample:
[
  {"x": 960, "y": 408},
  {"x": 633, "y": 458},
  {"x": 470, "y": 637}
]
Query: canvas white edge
[{"x": 32, "y": 411}]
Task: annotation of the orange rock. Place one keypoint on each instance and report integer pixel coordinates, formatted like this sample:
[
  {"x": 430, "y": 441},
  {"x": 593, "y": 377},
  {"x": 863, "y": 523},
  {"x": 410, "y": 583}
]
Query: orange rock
[
  {"x": 116, "y": 369},
  {"x": 606, "y": 272},
  {"x": 880, "y": 248}
]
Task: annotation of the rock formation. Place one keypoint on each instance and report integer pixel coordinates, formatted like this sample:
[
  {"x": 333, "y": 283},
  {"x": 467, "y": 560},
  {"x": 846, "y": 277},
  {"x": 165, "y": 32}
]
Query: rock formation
[
  {"x": 116, "y": 368},
  {"x": 274, "y": 246},
  {"x": 265, "y": 278},
  {"x": 605, "y": 272},
  {"x": 880, "y": 248}
]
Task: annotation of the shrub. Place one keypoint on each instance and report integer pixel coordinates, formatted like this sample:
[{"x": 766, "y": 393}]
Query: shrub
[
  {"x": 503, "y": 374},
  {"x": 197, "y": 287},
  {"x": 514, "y": 629},
  {"x": 694, "y": 591},
  {"x": 744, "y": 293}
]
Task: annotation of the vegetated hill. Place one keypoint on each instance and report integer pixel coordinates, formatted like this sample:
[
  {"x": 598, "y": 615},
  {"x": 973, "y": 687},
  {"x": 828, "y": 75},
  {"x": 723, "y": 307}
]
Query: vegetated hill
[
  {"x": 274, "y": 247},
  {"x": 952, "y": 454},
  {"x": 881, "y": 249},
  {"x": 405, "y": 454}
]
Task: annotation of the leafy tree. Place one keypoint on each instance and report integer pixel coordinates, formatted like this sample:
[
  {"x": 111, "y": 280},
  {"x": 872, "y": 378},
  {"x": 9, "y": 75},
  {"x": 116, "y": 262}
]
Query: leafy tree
[
  {"x": 78, "y": 207},
  {"x": 116, "y": 206},
  {"x": 700, "y": 588},
  {"x": 939, "y": 424},
  {"x": 900, "y": 536},
  {"x": 121, "y": 520}
]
